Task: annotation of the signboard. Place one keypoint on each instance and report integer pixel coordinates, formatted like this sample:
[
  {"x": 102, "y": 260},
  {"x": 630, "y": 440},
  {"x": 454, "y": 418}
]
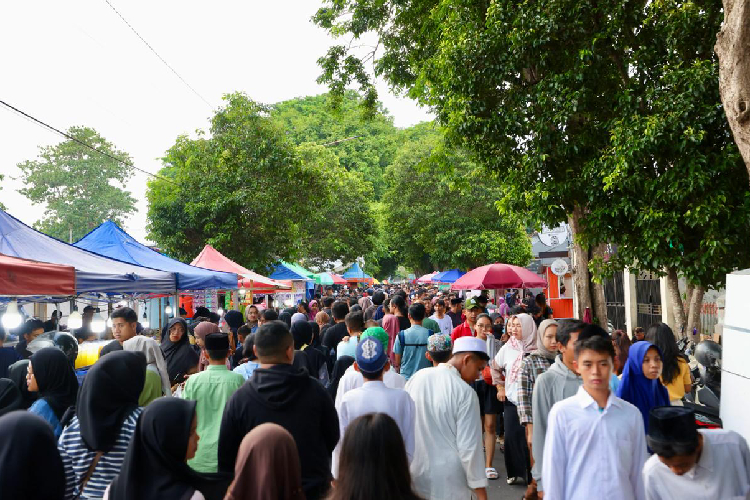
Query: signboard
[
  {"x": 553, "y": 237},
  {"x": 559, "y": 267}
]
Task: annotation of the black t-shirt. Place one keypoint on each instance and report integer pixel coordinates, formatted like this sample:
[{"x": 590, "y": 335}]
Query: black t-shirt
[
  {"x": 334, "y": 334},
  {"x": 455, "y": 318},
  {"x": 403, "y": 323}
]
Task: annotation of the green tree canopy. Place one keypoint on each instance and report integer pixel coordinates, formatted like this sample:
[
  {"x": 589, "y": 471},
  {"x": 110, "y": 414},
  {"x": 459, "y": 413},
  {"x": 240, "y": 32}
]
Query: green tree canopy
[
  {"x": 365, "y": 146},
  {"x": 571, "y": 103},
  {"x": 342, "y": 225},
  {"x": 243, "y": 190},
  {"x": 440, "y": 210},
  {"x": 75, "y": 183}
]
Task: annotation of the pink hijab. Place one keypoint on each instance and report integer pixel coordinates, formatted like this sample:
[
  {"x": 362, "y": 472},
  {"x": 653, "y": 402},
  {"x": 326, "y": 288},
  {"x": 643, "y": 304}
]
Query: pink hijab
[{"x": 526, "y": 345}]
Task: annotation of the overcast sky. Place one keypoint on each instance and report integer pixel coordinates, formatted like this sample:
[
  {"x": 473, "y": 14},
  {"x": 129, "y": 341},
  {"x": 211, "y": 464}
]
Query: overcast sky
[{"x": 77, "y": 63}]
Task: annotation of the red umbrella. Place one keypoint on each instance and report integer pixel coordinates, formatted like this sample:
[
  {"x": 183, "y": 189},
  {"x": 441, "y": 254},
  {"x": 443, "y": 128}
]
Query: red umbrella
[{"x": 498, "y": 275}]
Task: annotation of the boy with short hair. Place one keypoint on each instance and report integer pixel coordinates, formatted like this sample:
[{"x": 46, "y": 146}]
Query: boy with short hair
[
  {"x": 410, "y": 345},
  {"x": 211, "y": 389},
  {"x": 594, "y": 446},
  {"x": 375, "y": 397},
  {"x": 560, "y": 381},
  {"x": 690, "y": 464}
]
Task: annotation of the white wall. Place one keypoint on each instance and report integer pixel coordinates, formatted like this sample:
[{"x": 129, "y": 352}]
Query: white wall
[{"x": 735, "y": 377}]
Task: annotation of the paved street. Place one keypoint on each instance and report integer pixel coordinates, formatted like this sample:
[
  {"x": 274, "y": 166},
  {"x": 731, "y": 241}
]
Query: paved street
[{"x": 499, "y": 489}]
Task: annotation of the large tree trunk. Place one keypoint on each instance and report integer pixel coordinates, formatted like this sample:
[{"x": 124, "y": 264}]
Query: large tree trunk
[
  {"x": 581, "y": 275},
  {"x": 598, "y": 298},
  {"x": 694, "y": 313},
  {"x": 733, "y": 49},
  {"x": 673, "y": 289}
]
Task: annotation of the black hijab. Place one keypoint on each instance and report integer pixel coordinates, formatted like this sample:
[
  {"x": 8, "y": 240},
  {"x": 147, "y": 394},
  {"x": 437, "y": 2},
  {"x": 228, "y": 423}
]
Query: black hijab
[
  {"x": 157, "y": 453},
  {"x": 286, "y": 318},
  {"x": 17, "y": 373},
  {"x": 180, "y": 356},
  {"x": 109, "y": 394},
  {"x": 316, "y": 334},
  {"x": 30, "y": 465},
  {"x": 56, "y": 379},
  {"x": 10, "y": 397}
]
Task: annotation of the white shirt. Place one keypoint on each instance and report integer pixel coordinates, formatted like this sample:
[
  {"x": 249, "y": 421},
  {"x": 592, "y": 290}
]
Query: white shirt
[
  {"x": 445, "y": 323},
  {"x": 375, "y": 397},
  {"x": 448, "y": 456},
  {"x": 353, "y": 379},
  {"x": 505, "y": 358},
  {"x": 593, "y": 454},
  {"x": 723, "y": 471}
]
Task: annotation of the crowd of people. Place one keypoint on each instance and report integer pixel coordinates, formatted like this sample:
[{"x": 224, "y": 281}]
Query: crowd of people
[{"x": 402, "y": 393}]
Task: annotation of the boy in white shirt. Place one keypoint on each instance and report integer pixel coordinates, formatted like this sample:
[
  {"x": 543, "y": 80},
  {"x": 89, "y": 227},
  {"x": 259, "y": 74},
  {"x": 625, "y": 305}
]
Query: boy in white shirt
[
  {"x": 595, "y": 445},
  {"x": 375, "y": 397}
]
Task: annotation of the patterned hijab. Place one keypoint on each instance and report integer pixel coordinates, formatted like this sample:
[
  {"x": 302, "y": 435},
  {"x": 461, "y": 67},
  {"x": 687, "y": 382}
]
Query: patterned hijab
[{"x": 525, "y": 345}]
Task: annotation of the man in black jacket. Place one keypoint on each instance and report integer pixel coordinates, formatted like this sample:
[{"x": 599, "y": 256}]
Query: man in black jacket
[{"x": 281, "y": 394}]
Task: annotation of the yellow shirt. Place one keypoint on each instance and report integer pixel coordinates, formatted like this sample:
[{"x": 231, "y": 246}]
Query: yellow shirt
[{"x": 676, "y": 389}]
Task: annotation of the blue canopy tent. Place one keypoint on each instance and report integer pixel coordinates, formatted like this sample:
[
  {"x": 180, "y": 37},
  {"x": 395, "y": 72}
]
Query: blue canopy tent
[
  {"x": 94, "y": 273},
  {"x": 285, "y": 271},
  {"x": 447, "y": 276},
  {"x": 356, "y": 274},
  {"x": 111, "y": 241}
]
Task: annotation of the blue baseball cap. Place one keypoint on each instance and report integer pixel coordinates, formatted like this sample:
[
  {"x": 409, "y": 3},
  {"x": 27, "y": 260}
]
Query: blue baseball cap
[{"x": 370, "y": 355}]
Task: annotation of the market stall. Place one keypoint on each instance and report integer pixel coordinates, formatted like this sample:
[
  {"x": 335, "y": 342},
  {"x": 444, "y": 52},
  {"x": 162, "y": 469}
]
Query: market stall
[
  {"x": 94, "y": 272},
  {"x": 355, "y": 275},
  {"x": 300, "y": 279}
]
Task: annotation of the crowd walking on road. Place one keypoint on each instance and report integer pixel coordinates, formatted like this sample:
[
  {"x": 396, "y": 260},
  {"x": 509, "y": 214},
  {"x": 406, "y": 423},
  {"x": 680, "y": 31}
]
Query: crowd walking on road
[{"x": 396, "y": 393}]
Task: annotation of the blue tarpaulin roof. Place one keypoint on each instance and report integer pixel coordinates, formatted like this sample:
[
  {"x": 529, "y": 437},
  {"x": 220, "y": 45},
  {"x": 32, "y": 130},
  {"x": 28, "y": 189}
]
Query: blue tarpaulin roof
[
  {"x": 447, "y": 276},
  {"x": 355, "y": 272},
  {"x": 94, "y": 273},
  {"x": 111, "y": 241},
  {"x": 287, "y": 271}
]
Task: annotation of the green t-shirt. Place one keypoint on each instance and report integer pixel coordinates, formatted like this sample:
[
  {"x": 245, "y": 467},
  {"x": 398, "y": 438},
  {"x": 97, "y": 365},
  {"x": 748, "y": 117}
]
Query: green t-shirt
[
  {"x": 210, "y": 389},
  {"x": 151, "y": 388}
]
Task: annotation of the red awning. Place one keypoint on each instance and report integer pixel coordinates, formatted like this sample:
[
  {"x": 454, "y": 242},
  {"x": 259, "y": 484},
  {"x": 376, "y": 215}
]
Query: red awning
[{"x": 31, "y": 277}]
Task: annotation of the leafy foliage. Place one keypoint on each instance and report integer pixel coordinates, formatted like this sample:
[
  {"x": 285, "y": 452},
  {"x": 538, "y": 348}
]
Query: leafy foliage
[
  {"x": 342, "y": 226},
  {"x": 364, "y": 146},
  {"x": 608, "y": 106},
  {"x": 244, "y": 190},
  {"x": 75, "y": 184},
  {"x": 440, "y": 210}
]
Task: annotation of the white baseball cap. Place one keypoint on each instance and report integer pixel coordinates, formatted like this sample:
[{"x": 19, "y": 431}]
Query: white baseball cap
[{"x": 471, "y": 344}]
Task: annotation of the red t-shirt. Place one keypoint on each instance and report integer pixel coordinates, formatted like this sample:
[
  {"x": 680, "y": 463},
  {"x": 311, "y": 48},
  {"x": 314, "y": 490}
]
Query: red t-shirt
[{"x": 461, "y": 330}]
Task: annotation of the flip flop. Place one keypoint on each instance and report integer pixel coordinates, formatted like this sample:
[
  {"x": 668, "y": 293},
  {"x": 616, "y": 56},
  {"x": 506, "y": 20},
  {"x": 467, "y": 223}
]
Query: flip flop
[{"x": 490, "y": 472}]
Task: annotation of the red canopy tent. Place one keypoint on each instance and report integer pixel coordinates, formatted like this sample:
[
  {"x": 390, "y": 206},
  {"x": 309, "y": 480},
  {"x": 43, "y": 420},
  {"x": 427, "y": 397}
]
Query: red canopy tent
[
  {"x": 210, "y": 258},
  {"x": 30, "y": 277},
  {"x": 494, "y": 276}
]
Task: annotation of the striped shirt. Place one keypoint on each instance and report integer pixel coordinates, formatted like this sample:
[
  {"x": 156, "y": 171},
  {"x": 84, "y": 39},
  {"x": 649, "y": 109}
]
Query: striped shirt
[{"x": 77, "y": 459}]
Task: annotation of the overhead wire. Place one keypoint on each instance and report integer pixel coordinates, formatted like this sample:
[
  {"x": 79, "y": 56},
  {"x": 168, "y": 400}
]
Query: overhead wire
[
  {"x": 82, "y": 143},
  {"x": 157, "y": 55}
]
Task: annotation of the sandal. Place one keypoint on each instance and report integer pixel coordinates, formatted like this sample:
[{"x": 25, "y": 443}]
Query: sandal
[{"x": 490, "y": 472}]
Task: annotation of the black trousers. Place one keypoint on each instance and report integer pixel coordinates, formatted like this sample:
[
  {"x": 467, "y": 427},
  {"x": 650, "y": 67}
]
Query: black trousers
[{"x": 517, "y": 461}]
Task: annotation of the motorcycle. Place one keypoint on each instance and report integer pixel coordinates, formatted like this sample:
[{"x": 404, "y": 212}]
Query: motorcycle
[{"x": 705, "y": 367}]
